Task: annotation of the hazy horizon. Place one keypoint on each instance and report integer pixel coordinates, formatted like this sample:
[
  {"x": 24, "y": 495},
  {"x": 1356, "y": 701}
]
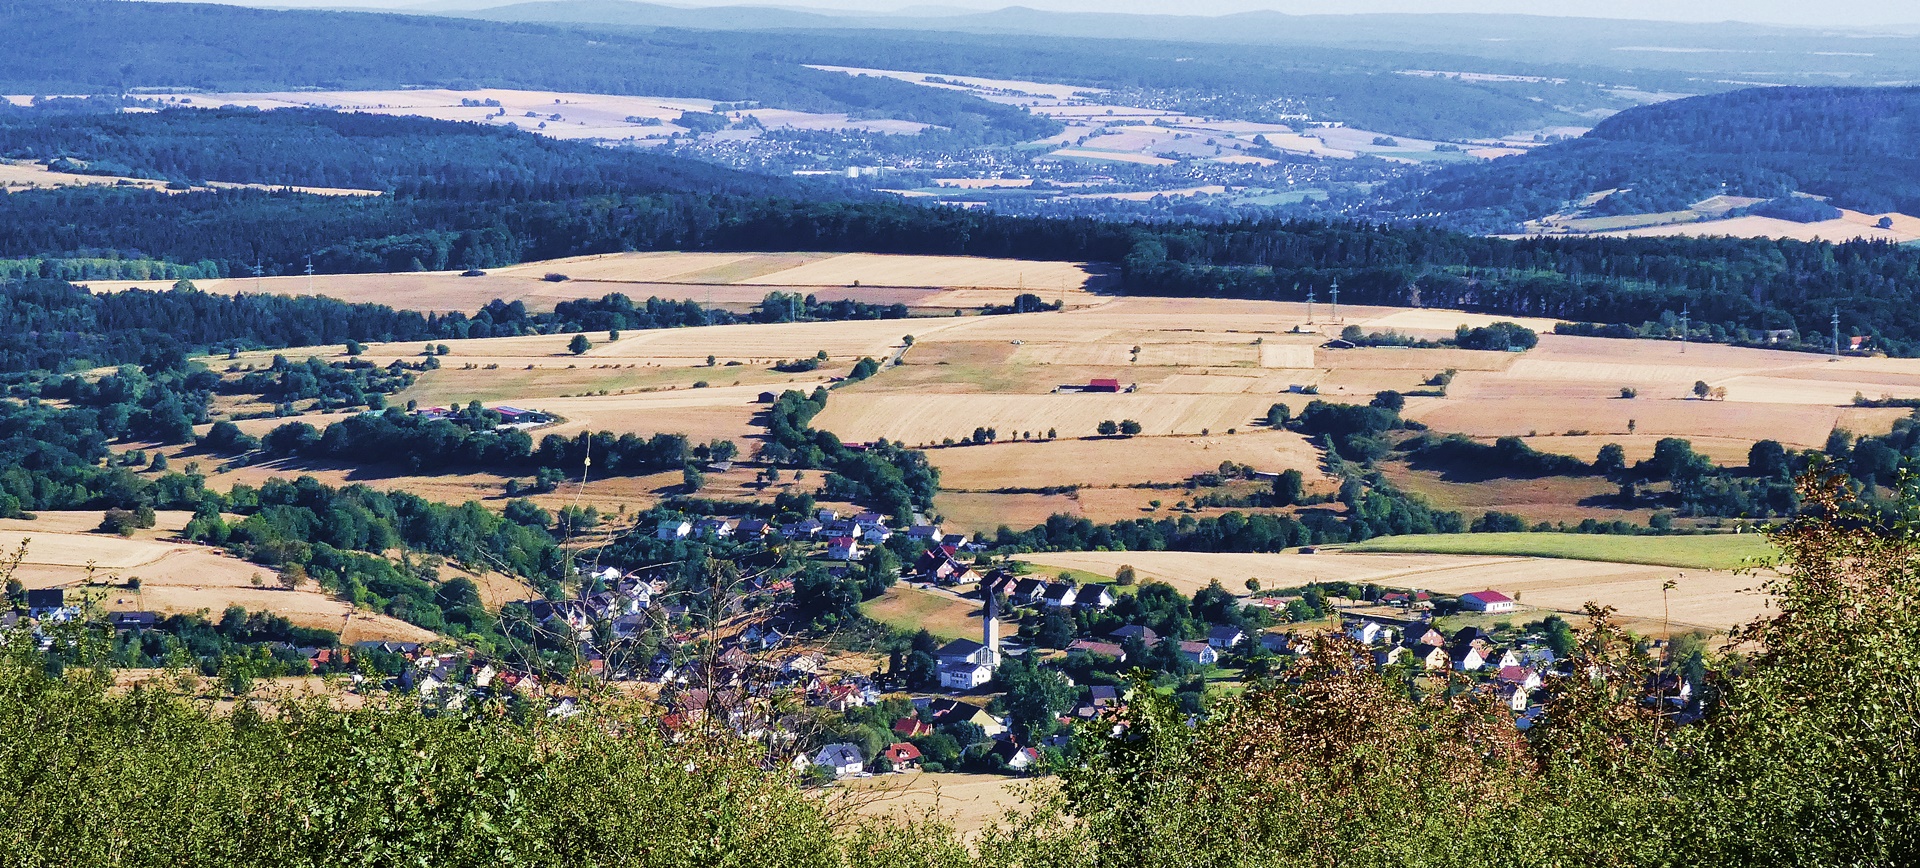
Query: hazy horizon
[{"x": 1845, "y": 14}]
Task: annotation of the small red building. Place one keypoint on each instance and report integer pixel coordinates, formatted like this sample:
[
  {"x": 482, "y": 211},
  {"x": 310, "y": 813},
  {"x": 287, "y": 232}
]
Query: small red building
[{"x": 1103, "y": 385}]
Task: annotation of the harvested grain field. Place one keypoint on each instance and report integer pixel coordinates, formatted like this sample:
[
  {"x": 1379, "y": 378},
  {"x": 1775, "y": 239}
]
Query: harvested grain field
[
  {"x": 1103, "y": 462},
  {"x": 737, "y": 281},
  {"x": 915, "y": 419},
  {"x": 1711, "y": 600},
  {"x": 969, "y": 802},
  {"x": 177, "y": 578}
]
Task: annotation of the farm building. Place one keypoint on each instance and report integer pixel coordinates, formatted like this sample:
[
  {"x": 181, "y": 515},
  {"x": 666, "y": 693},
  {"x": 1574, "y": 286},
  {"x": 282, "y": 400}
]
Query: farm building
[
  {"x": 1491, "y": 602},
  {"x": 1103, "y": 385}
]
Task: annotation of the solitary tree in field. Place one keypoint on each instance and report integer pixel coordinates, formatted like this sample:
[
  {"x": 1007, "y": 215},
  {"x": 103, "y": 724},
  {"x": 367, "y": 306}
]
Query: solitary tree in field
[
  {"x": 1288, "y": 487},
  {"x": 1124, "y": 575},
  {"x": 579, "y": 345},
  {"x": 354, "y": 348},
  {"x": 1629, "y": 392},
  {"x": 1701, "y": 389},
  {"x": 613, "y": 335},
  {"x": 1631, "y": 424},
  {"x": 1129, "y": 427}
]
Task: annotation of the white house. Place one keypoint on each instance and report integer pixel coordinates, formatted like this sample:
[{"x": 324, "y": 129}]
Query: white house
[
  {"x": 1225, "y": 637},
  {"x": 675, "y": 530},
  {"x": 1369, "y": 632},
  {"x": 1061, "y": 595},
  {"x": 1489, "y": 601},
  {"x": 843, "y": 548},
  {"x": 840, "y": 760},
  {"x": 965, "y": 676}
]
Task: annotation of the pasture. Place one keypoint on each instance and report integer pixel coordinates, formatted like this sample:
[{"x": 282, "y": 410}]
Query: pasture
[{"x": 938, "y": 612}]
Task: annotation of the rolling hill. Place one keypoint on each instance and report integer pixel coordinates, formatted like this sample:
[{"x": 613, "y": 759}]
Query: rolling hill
[{"x": 1854, "y": 146}]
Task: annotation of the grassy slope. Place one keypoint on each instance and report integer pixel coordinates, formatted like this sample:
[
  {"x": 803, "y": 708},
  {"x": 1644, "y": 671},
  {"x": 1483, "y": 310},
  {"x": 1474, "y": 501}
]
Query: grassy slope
[
  {"x": 1716, "y": 552},
  {"x": 911, "y": 609}
]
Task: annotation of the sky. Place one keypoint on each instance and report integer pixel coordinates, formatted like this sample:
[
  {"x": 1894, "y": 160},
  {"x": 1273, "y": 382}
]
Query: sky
[{"x": 1852, "y": 14}]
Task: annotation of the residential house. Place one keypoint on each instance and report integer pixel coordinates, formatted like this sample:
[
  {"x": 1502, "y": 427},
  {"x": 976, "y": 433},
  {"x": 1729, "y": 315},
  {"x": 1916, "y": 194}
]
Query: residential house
[
  {"x": 1515, "y": 697},
  {"x": 945, "y": 712},
  {"x": 134, "y": 621},
  {"x": 1432, "y": 657},
  {"x": 1061, "y": 595},
  {"x": 1369, "y": 632},
  {"x": 1199, "y": 653},
  {"x": 1098, "y": 598},
  {"x": 1027, "y": 592},
  {"x": 674, "y": 529},
  {"x": 1489, "y": 601},
  {"x": 1093, "y": 648},
  {"x": 843, "y": 548},
  {"x": 1468, "y": 658},
  {"x": 49, "y": 603},
  {"x": 1392, "y": 655},
  {"x": 717, "y": 528},
  {"x": 1285, "y": 643},
  {"x": 1419, "y": 637},
  {"x": 804, "y": 529},
  {"x": 840, "y": 760},
  {"x": 1520, "y": 675},
  {"x": 1017, "y": 758},
  {"x": 902, "y": 756},
  {"x": 753, "y": 528},
  {"x": 1135, "y": 631},
  {"x": 873, "y": 527},
  {"x": 761, "y": 637},
  {"x": 912, "y": 727},
  {"x": 926, "y": 533},
  {"x": 1225, "y": 636}
]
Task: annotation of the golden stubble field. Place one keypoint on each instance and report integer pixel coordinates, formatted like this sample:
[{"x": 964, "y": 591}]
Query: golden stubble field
[
  {"x": 735, "y": 281},
  {"x": 1711, "y": 600},
  {"x": 177, "y": 577}
]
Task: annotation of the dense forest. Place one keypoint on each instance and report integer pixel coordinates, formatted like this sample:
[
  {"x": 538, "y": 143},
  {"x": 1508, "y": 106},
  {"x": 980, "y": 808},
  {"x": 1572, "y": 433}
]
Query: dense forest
[
  {"x": 228, "y": 48},
  {"x": 1857, "y": 146}
]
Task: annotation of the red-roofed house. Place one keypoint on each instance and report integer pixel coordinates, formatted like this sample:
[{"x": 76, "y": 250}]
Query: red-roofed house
[
  {"x": 1491, "y": 602},
  {"x": 903, "y": 756},
  {"x": 1103, "y": 384},
  {"x": 912, "y": 727}
]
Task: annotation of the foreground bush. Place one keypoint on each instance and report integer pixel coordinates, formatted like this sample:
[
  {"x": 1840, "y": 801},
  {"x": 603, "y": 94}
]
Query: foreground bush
[{"x": 1802, "y": 751}]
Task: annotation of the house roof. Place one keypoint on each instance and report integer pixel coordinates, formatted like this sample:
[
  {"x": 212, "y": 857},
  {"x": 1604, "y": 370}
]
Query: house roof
[
  {"x": 1104, "y": 649},
  {"x": 960, "y": 648},
  {"x": 912, "y": 727},
  {"x": 1194, "y": 647},
  {"x": 1487, "y": 596},
  {"x": 1104, "y": 382},
  {"x": 837, "y": 755},
  {"x": 901, "y": 753},
  {"x": 1144, "y": 634},
  {"x": 1225, "y": 632},
  {"x": 1062, "y": 590}
]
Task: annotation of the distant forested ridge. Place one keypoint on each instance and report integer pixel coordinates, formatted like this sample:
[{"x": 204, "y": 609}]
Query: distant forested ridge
[
  {"x": 1859, "y": 146},
  {"x": 229, "y": 48},
  {"x": 547, "y": 199}
]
